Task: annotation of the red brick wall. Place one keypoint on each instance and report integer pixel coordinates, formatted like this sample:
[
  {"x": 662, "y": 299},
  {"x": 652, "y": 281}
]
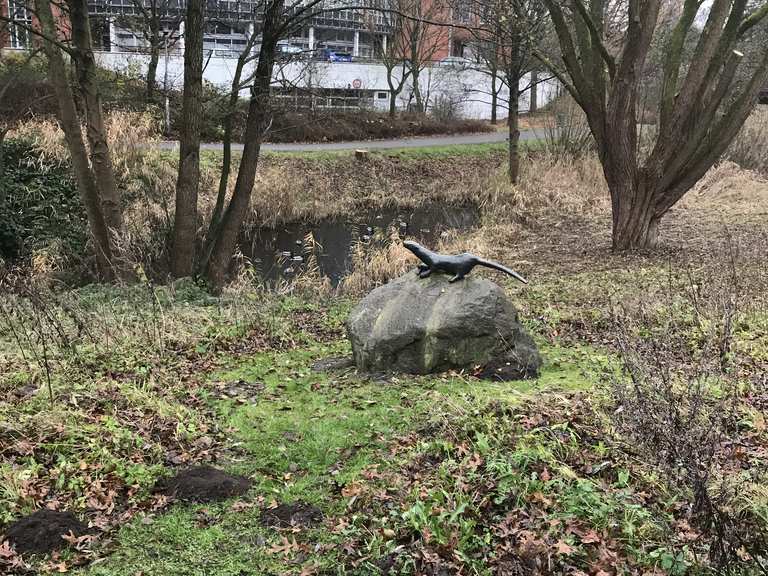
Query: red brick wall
[{"x": 5, "y": 37}]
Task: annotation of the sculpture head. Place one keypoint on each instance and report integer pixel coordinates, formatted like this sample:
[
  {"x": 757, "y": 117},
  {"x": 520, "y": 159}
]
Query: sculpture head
[{"x": 412, "y": 246}]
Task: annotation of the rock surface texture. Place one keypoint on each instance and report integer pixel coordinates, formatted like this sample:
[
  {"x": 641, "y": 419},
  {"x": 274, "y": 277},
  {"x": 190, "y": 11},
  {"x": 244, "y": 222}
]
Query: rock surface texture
[{"x": 421, "y": 326}]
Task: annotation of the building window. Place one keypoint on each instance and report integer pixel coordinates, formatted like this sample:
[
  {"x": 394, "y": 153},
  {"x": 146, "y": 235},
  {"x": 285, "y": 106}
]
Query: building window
[
  {"x": 463, "y": 12},
  {"x": 457, "y": 49},
  {"x": 20, "y": 36},
  {"x": 226, "y": 40},
  {"x": 100, "y": 33}
]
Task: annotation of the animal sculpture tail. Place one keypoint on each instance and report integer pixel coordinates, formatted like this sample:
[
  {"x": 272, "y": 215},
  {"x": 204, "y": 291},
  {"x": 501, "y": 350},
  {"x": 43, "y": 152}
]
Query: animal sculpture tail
[{"x": 495, "y": 266}]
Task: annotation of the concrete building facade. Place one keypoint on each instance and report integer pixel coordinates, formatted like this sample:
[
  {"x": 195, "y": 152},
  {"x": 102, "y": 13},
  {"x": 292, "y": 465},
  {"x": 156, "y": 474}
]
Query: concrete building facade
[{"x": 303, "y": 67}]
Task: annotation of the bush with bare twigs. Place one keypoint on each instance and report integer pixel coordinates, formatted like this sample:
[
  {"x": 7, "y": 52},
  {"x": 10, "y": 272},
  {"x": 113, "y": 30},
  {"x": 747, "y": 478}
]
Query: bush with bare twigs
[{"x": 679, "y": 400}]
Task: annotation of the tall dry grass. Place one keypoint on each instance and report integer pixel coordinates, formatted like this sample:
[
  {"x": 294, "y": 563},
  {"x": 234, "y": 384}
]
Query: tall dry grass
[
  {"x": 311, "y": 189},
  {"x": 550, "y": 186},
  {"x": 373, "y": 266},
  {"x": 146, "y": 177},
  {"x": 565, "y": 131},
  {"x": 750, "y": 148}
]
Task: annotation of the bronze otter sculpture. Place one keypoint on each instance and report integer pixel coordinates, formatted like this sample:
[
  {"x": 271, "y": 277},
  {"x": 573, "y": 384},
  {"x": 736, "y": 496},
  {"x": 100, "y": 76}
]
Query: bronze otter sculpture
[{"x": 459, "y": 265}]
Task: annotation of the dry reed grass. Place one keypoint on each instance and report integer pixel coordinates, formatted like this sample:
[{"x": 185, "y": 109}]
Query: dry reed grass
[
  {"x": 291, "y": 189},
  {"x": 729, "y": 189},
  {"x": 750, "y": 148},
  {"x": 378, "y": 265},
  {"x": 47, "y": 138},
  {"x": 146, "y": 176},
  {"x": 549, "y": 187}
]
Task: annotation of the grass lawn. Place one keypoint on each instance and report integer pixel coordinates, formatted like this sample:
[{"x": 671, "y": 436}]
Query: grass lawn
[
  {"x": 413, "y": 475},
  {"x": 587, "y": 470}
]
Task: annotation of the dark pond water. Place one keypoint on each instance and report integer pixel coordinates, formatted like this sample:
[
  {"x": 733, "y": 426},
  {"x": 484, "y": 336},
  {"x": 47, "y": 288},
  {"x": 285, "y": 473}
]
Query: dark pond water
[{"x": 280, "y": 253}]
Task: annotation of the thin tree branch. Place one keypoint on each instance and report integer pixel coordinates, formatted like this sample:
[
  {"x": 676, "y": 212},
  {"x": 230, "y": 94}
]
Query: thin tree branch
[
  {"x": 753, "y": 19},
  {"x": 596, "y": 37}
]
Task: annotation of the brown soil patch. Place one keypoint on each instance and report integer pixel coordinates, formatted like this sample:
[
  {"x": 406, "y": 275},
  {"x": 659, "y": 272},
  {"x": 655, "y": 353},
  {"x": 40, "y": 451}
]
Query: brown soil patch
[
  {"x": 203, "y": 484},
  {"x": 240, "y": 390},
  {"x": 42, "y": 531},
  {"x": 289, "y": 515}
]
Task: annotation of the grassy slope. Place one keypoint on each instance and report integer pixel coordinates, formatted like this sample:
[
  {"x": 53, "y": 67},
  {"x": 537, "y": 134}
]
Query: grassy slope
[
  {"x": 404, "y": 471},
  {"x": 477, "y": 475},
  {"x": 306, "y": 434}
]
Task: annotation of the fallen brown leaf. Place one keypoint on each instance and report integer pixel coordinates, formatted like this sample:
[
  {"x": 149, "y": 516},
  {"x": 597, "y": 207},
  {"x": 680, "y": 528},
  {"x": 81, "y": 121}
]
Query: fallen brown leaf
[{"x": 562, "y": 547}]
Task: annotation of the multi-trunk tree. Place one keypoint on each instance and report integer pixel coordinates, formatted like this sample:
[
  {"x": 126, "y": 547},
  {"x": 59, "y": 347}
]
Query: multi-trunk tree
[
  {"x": 240, "y": 79},
  {"x": 276, "y": 20},
  {"x": 701, "y": 107},
  {"x": 391, "y": 50},
  {"x": 423, "y": 36},
  {"x": 92, "y": 164},
  {"x": 486, "y": 57}
]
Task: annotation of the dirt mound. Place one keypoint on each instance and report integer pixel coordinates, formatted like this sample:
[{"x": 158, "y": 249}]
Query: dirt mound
[
  {"x": 294, "y": 514},
  {"x": 242, "y": 390},
  {"x": 203, "y": 484},
  {"x": 333, "y": 364},
  {"x": 42, "y": 531}
]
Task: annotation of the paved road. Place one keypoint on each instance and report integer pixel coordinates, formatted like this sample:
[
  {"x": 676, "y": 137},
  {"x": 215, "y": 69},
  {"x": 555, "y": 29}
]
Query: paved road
[{"x": 421, "y": 142}]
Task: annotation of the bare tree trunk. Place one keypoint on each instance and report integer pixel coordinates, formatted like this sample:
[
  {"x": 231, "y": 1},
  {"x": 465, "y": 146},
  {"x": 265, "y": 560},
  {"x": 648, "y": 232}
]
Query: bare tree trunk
[
  {"x": 534, "y": 101},
  {"x": 96, "y": 130},
  {"x": 226, "y": 162},
  {"x": 259, "y": 114},
  {"x": 417, "y": 90},
  {"x": 513, "y": 123},
  {"x": 2, "y": 162},
  {"x": 635, "y": 225},
  {"x": 154, "y": 59},
  {"x": 395, "y": 90},
  {"x": 185, "y": 219},
  {"x": 70, "y": 124},
  {"x": 226, "y": 240},
  {"x": 494, "y": 97}
]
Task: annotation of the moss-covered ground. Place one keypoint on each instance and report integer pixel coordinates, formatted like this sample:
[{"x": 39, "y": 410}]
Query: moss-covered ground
[
  {"x": 104, "y": 390},
  {"x": 440, "y": 474}
]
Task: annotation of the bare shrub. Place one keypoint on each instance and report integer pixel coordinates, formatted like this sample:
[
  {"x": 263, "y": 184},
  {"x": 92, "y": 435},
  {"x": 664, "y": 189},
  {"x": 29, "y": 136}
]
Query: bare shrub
[
  {"x": 678, "y": 400},
  {"x": 566, "y": 131},
  {"x": 750, "y": 148},
  {"x": 447, "y": 107}
]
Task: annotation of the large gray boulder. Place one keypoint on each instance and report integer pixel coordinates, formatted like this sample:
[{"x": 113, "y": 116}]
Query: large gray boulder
[{"x": 428, "y": 325}]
